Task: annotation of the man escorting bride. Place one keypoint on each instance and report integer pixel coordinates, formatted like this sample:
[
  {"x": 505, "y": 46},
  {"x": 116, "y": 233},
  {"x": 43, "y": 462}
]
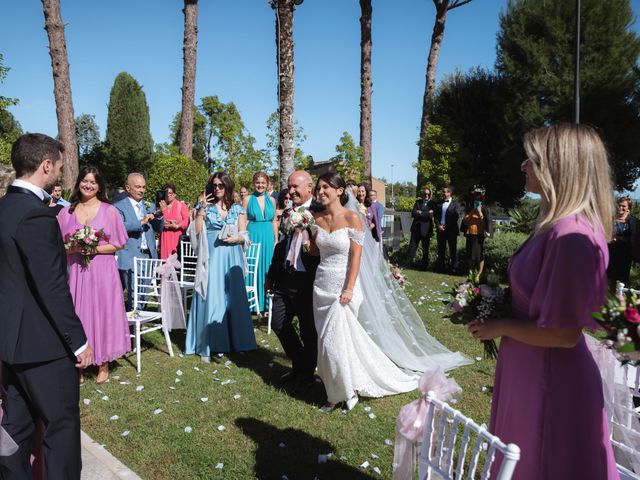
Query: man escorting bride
[{"x": 358, "y": 354}]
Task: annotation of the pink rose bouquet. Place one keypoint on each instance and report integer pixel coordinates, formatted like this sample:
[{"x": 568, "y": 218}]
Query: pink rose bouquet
[
  {"x": 472, "y": 300},
  {"x": 87, "y": 239},
  {"x": 620, "y": 318}
]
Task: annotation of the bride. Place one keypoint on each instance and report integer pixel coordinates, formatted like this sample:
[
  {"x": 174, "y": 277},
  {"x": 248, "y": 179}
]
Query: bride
[{"x": 349, "y": 362}]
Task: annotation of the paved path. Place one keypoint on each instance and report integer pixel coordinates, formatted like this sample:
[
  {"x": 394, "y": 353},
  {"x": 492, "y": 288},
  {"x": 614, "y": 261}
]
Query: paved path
[{"x": 99, "y": 464}]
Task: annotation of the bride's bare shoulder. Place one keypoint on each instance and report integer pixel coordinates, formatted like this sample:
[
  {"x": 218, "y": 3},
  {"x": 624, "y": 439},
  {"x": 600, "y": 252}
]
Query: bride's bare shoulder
[{"x": 353, "y": 219}]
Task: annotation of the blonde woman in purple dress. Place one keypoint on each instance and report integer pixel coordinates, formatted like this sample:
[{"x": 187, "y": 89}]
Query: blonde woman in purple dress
[
  {"x": 547, "y": 395},
  {"x": 96, "y": 288}
]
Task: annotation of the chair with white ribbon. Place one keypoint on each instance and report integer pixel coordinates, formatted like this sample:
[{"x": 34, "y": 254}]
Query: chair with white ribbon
[{"x": 147, "y": 304}]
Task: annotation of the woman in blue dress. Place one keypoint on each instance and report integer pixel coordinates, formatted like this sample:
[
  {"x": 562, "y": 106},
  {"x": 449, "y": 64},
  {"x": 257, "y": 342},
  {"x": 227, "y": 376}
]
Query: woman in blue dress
[
  {"x": 219, "y": 320},
  {"x": 263, "y": 229}
]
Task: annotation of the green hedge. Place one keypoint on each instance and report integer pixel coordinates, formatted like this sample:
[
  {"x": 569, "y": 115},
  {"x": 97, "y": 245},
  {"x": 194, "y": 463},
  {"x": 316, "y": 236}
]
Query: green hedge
[
  {"x": 188, "y": 175},
  {"x": 498, "y": 250}
]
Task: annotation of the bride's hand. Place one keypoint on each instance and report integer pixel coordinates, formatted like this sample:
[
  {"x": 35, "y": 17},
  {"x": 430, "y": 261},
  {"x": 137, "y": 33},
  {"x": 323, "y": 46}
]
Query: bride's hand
[{"x": 346, "y": 296}]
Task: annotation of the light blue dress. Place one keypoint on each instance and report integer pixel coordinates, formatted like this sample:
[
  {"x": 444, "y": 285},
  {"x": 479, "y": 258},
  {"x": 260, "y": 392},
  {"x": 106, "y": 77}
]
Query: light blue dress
[{"x": 222, "y": 321}]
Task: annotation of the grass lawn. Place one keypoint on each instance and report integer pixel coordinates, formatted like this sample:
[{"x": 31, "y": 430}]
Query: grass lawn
[{"x": 244, "y": 425}]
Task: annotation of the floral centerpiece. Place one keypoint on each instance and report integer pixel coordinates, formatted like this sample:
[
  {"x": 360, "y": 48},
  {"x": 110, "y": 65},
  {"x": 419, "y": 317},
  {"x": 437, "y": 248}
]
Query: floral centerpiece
[
  {"x": 86, "y": 239},
  {"x": 620, "y": 318},
  {"x": 472, "y": 300}
]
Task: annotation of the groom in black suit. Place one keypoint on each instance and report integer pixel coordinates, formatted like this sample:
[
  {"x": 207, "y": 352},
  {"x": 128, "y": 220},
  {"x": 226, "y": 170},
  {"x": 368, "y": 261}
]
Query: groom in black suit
[
  {"x": 292, "y": 288},
  {"x": 41, "y": 338}
]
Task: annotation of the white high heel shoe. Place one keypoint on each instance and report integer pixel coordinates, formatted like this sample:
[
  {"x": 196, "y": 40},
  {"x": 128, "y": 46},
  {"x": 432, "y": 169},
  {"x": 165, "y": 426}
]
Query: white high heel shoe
[{"x": 352, "y": 402}]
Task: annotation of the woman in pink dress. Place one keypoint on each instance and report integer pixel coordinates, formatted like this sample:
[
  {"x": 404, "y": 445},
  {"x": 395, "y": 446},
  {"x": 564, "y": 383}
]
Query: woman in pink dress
[
  {"x": 96, "y": 288},
  {"x": 547, "y": 395},
  {"x": 176, "y": 221}
]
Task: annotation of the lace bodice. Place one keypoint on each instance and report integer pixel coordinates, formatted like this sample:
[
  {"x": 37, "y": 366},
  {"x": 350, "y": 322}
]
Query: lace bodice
[{"x": 334, "y": 256}]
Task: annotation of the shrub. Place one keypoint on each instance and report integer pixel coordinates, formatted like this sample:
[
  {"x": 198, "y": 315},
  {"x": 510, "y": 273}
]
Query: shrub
[
  {"x": 188, "y": 175},
  {"x": 403, "y": 203}
]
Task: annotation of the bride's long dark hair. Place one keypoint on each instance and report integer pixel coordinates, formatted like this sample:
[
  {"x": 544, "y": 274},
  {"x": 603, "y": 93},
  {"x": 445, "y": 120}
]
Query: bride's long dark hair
[{"x": 335, "y": 181}]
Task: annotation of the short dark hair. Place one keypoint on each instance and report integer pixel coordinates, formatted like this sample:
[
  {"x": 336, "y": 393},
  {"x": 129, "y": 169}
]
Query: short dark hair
[
  {"x": 57, "y": 184},
  {"x": 448, "y": 187},
  {"x": 31, "y": 149},
  {"x": 169, "y": 185}
]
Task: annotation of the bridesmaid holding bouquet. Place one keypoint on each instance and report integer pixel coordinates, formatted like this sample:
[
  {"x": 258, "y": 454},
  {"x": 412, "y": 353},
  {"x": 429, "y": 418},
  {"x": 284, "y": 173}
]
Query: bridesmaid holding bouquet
[{"x": 95, "y": 285}]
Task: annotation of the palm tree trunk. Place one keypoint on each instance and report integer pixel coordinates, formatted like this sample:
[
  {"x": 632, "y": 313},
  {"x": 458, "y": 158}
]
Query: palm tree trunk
[
  {"x": 365, "y": 85},
  {"x": 62, "y": 89},
  {"x": 284, "y": 51},
  {"x": 188, "y": 76}
]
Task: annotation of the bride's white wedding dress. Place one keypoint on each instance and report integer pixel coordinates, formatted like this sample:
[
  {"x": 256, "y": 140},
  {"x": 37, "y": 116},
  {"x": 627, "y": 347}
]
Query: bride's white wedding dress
[{"x": 349, "y": 362}]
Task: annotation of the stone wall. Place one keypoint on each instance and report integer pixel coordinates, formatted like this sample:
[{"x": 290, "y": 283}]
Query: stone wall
[{"x": 7, "y": 175}]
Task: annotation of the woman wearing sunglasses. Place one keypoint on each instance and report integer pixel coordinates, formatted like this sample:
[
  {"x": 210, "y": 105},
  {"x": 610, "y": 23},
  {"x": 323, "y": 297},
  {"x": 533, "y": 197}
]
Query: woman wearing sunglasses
[{"x": 219, "y": 320}]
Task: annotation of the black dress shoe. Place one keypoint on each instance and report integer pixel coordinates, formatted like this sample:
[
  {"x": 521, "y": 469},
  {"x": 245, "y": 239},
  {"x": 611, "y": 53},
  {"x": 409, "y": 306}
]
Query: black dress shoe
[{"x": 289, "y": 377}]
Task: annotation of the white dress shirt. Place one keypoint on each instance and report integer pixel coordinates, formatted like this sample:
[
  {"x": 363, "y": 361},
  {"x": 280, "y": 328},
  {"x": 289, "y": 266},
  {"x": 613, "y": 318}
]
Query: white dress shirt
[
  {"x": 445, "y": 206},
  {"x": 138, "y": 207}
]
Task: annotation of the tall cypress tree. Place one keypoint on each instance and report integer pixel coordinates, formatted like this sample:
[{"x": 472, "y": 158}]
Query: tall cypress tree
[
  {"x": 535, "y": 59},
  {"x": 128, "y": 144}
]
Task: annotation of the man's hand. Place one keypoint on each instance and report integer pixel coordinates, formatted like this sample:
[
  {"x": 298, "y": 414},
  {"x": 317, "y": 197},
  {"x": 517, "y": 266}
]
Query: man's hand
[
  {"x": 85, "y": 358},
  {"x": 147, "y": 218},
  {"x": 268, "y": 285},
  {"x": 441, "y": 228}
]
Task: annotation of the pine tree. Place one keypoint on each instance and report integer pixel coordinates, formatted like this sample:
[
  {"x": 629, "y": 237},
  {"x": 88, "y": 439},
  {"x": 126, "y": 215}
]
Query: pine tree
[
  {"x": 128, "y": 144},
  {"x": 535, "y": 59}
]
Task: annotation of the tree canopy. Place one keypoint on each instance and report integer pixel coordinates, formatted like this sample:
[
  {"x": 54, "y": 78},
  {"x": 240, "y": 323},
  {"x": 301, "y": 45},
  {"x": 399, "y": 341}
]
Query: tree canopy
[
  {"x": 10, "y": 128},
  {"x": 128, "y": 143},
  {"x": 535, "y": 60}
]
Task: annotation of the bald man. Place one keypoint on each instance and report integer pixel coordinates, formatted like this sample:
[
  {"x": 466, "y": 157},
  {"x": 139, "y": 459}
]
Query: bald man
[
  {"x": 141, "y": 221},
  {"x": 292, "y": 288}
]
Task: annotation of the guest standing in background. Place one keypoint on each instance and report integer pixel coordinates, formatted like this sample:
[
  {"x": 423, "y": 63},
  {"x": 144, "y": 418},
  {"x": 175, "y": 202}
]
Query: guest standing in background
[
  {"x": 263, "y": 229},
  {"x": 447, "y": 217},
  {"x": 364, "y": 207},
  {"x": 244, "y": 193},
  {"x": 270, "y": 191},
  {"x": 284, "y": 202},
  {"x": 557, "y": 278},
  {"x": 477, "y": 224},
  {"x": 220, "y": 319},
  {"x": 96, "y": 288},
  {"x": 421, "y": 227},
  {"x": 378, "y": 210},
  {"x": 56, "y": 196},
  {"x": 624, "y": 248},
  {"x": 176, "y": 221},
  {"x": 142, "y": 222}
]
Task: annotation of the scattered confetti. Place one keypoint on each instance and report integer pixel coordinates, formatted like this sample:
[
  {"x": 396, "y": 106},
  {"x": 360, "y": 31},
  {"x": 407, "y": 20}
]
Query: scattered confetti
[
  {"x": 221, "y": 355},
  {"x": 484, "y": 389},
  {"x": 219, "y": 466},
  {"x": 377, "y": 470},
  {"x": 281, "y": 445},
  {"x": 99, "y": 391},
  {"x": 388, "y": 442},
  {"x": 177, "y": 380},
  {"x": 188, "y": 429},
  {"x": 372, "y": 416},
  {"x": 237, "y": 396},
  {"x": 114, "y": 417},
  {"x": 367, "y": 409},
  {"x": 221, "y": 428},
  {"x": 125, "y": 383},
  {"x": 478, "y": 359},
  {"x": 228, "y": 364},
  {"x": 364, "y": 465},
  {"x": 157, "y": 411},
  {"x": 139, "y": 388},
  {"x": 227, "y": 382},
  {"x": 204, "y": 399},
  {"x": 116, "y": 377},
  {"x": 214, "y": 372},
  {"x": 86, "y": 401},
  {"x": 343, "y": 458},
  {"x": 373, "y": 455},
  {"x": 105, "y": 398},
  {"x": 125, "y": 433},
  {"x": 179, "y": 373},
  {"x": 196, "y": 369},
  {"x": 172, "y": 388}
]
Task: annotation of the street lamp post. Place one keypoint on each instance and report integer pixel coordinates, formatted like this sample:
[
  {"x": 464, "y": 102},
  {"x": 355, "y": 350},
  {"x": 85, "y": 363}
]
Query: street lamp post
[{"x": 393, "y": 199}]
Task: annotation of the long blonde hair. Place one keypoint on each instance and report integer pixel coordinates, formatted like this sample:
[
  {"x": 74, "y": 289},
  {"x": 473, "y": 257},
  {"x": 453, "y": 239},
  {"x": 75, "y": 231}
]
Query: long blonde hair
[{"x": 572, "y": 167}]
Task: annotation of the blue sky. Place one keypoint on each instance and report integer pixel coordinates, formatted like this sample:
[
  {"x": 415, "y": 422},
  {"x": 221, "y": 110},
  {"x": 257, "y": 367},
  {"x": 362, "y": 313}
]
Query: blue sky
[{"x": 236, "y": 61}]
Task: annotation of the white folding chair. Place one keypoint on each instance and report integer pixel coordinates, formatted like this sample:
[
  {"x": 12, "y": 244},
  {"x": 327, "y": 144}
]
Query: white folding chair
[
  {"x": 251, "y": 255},
  {"x": 146, "y": 303},
  {"x": 448, "y": 434},
  {"x": 188, "y": 260}
]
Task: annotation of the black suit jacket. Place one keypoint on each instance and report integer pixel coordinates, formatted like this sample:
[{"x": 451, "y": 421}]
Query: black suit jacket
[
  {"x": 422, "y": 220},
  {"x": 279, "y": 274},
  {"x": 38, "y": 322},
  {"x": 452, "y": 218}
]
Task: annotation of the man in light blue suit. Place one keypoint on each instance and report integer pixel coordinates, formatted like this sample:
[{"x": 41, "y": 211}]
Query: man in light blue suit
[{"x": 141, "y": 221}]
